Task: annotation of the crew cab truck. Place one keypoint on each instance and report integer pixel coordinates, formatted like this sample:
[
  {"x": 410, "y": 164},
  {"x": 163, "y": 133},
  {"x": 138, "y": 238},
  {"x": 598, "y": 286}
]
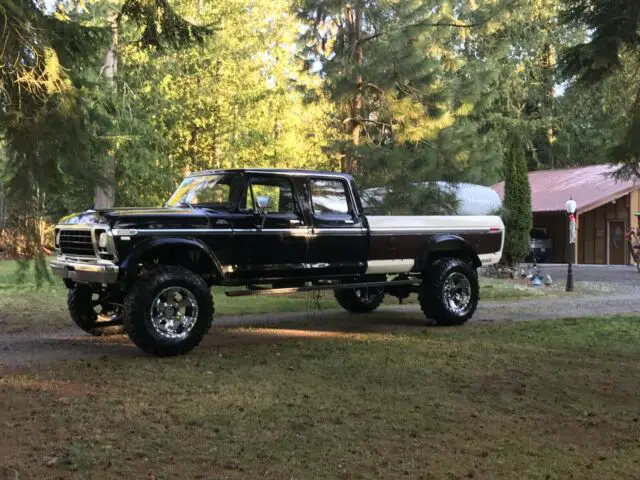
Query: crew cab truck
[{"x": 149, "y": 271}]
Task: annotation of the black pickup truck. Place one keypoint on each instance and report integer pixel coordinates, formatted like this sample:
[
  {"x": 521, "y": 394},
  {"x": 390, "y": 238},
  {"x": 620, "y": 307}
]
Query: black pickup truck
[{"x": 150, "y": 271}]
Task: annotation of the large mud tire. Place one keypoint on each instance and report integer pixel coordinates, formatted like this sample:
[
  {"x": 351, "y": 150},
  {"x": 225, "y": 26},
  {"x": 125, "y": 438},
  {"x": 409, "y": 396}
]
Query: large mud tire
[
  {"x": 449, "y": 292},
  {"x": 168, "y": 289},
  {"x": 361, "y": 300}
]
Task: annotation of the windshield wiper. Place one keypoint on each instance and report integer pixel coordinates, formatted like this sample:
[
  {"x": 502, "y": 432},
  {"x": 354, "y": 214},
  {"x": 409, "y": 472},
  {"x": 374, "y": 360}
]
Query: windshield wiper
[
  {"x": 186, "y": 204},
  {"x": 180, "y": 204}
]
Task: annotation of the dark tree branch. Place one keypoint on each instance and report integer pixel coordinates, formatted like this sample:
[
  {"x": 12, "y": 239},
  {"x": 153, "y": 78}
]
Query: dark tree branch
[
  {"x": 421, "y": 24},
  {"x": 372, "y": 86}
]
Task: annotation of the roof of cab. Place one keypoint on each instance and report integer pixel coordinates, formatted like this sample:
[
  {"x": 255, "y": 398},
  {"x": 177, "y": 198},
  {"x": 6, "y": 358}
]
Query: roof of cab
[{"x": 274, "y": 171}]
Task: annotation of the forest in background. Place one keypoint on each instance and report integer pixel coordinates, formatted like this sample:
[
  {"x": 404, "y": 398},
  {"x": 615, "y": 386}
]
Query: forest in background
[{"x": 108, "y": 102}]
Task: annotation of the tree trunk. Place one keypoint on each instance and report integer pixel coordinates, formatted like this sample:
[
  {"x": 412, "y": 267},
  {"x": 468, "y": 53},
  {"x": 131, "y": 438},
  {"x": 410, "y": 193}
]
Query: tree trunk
[
  {"x": 353, "y": 20},
  {"x": 106, "y": 192},
  {"x": 217, "y": 113},
  {"x": 550, "y": 60}
]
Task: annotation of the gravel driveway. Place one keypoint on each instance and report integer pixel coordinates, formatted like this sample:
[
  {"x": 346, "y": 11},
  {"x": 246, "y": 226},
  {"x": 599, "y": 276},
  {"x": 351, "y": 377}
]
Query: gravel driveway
[
  {"x": 24, "y": 348},
  {"x": 614, "y": 274}
]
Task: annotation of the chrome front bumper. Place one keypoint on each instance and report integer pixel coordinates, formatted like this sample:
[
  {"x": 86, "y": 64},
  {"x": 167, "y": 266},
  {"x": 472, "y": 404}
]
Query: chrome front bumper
[{"x": 89, "y": 271}]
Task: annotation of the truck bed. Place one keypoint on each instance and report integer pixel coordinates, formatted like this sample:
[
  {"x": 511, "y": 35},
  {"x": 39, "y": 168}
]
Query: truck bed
[
  {"x": 434, "y": 223},
  {"x": 397, "y": 241}
]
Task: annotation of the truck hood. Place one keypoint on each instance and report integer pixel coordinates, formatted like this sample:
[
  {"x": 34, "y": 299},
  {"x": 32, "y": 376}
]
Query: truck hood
[{"x": 141, "y": 218}]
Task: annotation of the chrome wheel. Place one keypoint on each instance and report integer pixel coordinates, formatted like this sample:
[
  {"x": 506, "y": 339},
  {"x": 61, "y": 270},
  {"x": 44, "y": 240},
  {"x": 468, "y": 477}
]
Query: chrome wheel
[
  {"x": 93, "y": 311},
  {"x": 106, "y": 313},
  {"x": 174, "y": 312},
  {"x": 457, "y": 293}
]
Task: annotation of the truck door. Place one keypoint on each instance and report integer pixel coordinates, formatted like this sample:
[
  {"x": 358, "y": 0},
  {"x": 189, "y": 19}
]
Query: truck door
[
  {"x": 338, "y": 245},
  {"x": 270, "y": 233}
]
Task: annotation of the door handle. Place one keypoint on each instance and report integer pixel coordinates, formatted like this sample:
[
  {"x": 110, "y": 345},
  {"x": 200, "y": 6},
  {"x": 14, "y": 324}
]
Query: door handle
[
  {"x": 294, "y": 221},
  {"x": 350, "y": 222}
]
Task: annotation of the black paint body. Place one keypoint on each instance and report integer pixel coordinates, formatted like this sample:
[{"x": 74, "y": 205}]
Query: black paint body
[{"x": 240, "y": 247}]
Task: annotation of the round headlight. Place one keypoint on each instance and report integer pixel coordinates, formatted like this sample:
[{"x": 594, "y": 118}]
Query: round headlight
[{"x": 102, "y": 240}]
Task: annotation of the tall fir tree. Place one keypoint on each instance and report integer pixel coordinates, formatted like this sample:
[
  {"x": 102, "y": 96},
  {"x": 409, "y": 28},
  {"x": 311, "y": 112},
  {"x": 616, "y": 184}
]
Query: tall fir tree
[
  {"x": 45, "y": 119},
  {"x": 611, "y": 50},
  {"x": 517, "y": 216},
  {"x": 396, "y": 76}
]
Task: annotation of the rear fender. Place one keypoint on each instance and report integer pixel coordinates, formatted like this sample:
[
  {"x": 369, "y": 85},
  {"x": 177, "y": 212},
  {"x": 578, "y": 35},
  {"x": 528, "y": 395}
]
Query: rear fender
[{"x": 446, "y": 245}]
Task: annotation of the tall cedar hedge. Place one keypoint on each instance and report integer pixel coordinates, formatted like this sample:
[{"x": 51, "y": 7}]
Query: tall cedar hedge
[{"x": 516, "y": 215}]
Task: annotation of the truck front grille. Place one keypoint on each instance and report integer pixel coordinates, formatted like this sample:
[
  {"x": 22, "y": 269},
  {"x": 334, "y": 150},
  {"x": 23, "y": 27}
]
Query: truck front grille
[{"x": 76, "y": 242}]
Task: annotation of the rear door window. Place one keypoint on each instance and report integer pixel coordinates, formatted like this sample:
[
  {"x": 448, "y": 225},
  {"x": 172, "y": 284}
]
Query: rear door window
[
  {"x": 329, "y": 197},
  {"x": 330, "y": 203}
]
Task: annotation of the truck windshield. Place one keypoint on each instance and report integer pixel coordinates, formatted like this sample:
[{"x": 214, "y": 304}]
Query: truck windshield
[{"x": 209, "y": 191}]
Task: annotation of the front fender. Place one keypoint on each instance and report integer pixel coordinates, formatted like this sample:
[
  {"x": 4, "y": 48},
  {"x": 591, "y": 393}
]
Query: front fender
[
  {"x": 445, "y": 245},
  {"x": 143, "y": 248}
]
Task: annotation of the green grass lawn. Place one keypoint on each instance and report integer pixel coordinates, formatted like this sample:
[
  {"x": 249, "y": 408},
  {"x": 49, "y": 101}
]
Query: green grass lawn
[
  {"x": 22, "y": 305},
  {"x": 52, "y": 297},
  {"x": 552, "y": 399}
]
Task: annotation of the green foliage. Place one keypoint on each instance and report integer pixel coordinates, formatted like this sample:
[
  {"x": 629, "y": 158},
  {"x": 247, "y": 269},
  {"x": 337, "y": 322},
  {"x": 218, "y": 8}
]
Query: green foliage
[
  {"x": 611, "y": 54},
  {"x": 517, "y": 216},
  {"x": 449, "y": 80},
  {"x": 406, "y": 178},
  {"x": 42, "y": 117},
  {"x": 614, "y": 28},
  {"x": 402, "y": 88},
  {"x": 397, "y": 92},
  {"x": 596, "y": 118},
  {"x": 238, "y": 99},
  {"x": 161, "y": 25},
  {"x": 512, "y": 61}
]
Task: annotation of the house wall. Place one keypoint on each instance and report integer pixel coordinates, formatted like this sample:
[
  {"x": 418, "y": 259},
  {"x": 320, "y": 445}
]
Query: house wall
[{"x": 593, "y": 227}]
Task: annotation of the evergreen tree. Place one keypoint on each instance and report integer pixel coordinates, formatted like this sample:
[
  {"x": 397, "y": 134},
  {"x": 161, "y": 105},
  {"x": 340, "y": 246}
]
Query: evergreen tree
[
  {"x": 397, "y": 78},
  {"x": 612, "y": 49},
  {"x": 511, "y": 60},
  {"x": 593, "y": 119},
  {"x": 517, "y": 216},
  {"x": 239, "y": 99},
  {"x": 45, "y": 120},
  {"x": 43, "y": 116}
]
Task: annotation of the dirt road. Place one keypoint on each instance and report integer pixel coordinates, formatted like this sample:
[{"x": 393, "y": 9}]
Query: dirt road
[{"x": 30, "y": 346}]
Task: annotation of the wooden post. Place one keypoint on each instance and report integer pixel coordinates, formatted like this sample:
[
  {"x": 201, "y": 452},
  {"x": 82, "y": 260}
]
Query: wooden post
[
  {"x": 634, "y": 207},
  {"x": 576, "y": 250}
]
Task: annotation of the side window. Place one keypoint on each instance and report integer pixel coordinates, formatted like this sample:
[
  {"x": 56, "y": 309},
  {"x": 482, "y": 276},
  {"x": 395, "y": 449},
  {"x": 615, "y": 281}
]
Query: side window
[
  {"x": 329, "y": 197},
  {"x": 276, "y": 193}
]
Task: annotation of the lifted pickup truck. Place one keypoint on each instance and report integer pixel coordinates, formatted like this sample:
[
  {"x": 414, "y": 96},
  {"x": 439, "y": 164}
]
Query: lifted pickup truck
[{"x": 150, "y": 271}]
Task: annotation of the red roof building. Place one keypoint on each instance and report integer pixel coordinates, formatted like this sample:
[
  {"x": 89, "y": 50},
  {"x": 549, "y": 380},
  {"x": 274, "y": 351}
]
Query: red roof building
[{"x": 606, "y": 209}]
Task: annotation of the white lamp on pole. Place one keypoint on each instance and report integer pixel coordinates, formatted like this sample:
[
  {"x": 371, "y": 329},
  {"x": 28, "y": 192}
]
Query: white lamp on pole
[{"x": 570, "y": 206}]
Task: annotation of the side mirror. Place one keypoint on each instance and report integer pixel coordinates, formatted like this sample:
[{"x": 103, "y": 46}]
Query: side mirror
[{"x": 263, "y": 203}]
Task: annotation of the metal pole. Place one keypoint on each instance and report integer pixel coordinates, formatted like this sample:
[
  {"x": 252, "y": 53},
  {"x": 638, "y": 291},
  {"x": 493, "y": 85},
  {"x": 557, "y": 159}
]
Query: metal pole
[{"x": 569, "y": 287}]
